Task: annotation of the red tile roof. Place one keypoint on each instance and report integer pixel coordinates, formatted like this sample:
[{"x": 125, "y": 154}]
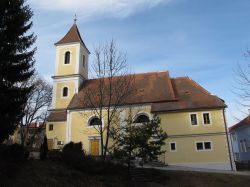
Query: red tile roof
[
  {"x": 57, "y": 116},
  {"x": 190, "y": 96},
  {"x": 35, "y": 125},
  {"x": 242, "y": 123},
  {"x": 158, "y": 89},
  {"x": 148, "y": 88},
  {"x": 72, "y": 36}
]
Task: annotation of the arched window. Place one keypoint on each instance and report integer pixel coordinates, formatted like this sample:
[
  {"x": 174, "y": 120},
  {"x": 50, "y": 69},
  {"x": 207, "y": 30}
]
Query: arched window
[
  {"x": 65, "y": 92},
  {"x": 83, "y": 61},
  {"x": 67, "y": 58},
  {"x": 141, "y": 118},
  {"x": 95, "y": 121}
]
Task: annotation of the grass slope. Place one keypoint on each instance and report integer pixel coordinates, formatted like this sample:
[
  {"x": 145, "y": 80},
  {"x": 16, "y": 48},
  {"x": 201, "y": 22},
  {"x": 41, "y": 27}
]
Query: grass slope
[{"x": 51, "y": 173}]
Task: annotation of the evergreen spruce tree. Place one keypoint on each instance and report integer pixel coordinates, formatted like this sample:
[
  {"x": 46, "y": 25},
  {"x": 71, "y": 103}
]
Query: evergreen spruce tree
[
  {"x": 143, "y": 141},
  {"x": 16, "y": 62}
]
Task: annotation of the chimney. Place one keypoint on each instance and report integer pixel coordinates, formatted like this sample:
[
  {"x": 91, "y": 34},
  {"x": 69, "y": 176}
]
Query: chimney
[{"x": 248, "y": 111}]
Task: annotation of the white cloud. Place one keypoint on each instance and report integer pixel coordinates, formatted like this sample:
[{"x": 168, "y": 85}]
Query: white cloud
[{"x": 90, "y": 8}]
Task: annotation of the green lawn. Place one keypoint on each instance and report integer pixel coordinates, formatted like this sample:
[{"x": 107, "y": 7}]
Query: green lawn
[{"x": 50, "y": 173}]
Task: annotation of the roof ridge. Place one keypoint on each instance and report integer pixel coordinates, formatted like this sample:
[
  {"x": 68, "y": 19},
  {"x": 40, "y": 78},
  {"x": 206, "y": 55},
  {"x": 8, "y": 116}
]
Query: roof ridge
[
  {"x": 148, "y": 73},
  {"x": 183, "y": 77}
]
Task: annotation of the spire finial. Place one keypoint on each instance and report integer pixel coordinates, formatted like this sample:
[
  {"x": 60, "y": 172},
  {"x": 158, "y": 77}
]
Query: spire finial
[{"x": 75, "y": 19}]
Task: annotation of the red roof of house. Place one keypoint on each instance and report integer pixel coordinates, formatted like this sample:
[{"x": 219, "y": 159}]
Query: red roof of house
[
  {"x": 242, "y": 123},
  {"x": 155, "y": 88},
  {"x": 35, "y": 125}
]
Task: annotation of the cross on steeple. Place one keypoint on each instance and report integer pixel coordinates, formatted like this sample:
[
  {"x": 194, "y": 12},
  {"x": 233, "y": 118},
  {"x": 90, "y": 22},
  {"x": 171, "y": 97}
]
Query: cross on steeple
[{"x": 75, "y": 19}]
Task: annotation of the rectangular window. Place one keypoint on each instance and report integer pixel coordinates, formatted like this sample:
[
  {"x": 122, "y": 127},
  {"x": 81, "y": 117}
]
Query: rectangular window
[
  {"x": 206, "y": 118},
  {"x": 200, "y": 146},
  {"x": 50, "y": 127},
  {"x": 193, "y": 118},
  {"x": 244, "y": 145},
  {"x": 172, "y": 146},
  {"x": 207, "y": 145},
  {"x": 234, "y": 137},
  {"x": 241, "y": 146},
  {"x": 59, "y": 142}
]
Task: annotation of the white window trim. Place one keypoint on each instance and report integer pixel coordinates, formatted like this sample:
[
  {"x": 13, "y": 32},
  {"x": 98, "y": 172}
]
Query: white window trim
[
  {"x": 93, "y": 126},
  {"x": 203, "y": 142},
  {"x": 175, "y": 147},
  {"x": 197, "y": 117},
  {"x": 63, "y": 97},
  {"x": 70, "y": 58},
  {"x": 210, "y": 118}
]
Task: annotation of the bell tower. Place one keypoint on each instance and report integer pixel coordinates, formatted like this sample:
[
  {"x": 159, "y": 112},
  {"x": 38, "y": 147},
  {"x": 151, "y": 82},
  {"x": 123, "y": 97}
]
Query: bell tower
[{"x": 71, "y": 67}]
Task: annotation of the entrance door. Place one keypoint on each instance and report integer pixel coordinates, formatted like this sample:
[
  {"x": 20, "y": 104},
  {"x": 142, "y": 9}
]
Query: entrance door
[
  {"x": 50, "y": 144},
  {"x": 94, "y": 147}
]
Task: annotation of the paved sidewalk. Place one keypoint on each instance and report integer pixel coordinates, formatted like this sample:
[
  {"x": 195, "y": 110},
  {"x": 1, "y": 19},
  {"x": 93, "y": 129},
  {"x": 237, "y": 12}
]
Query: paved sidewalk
[{"x": 181, "y": 168}]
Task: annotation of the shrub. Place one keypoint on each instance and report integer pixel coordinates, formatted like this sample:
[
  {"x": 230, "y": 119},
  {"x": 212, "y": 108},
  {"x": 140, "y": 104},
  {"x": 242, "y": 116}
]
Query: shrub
[
  {"x": 54, "y": 155},
  {"x": 72, "y": 154},
  {"x": 13, "y": 152}
]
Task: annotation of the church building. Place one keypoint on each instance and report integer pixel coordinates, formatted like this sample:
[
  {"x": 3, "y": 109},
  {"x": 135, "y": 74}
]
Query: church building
[{"x": 193, "y": 118}]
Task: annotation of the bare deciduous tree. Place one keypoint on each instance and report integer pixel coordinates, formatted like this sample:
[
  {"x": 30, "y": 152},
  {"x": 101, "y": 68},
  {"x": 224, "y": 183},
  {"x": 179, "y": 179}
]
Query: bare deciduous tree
[
  {"x": 36, "y": 108},
  {"x": 243, "y": 84},
  {"x": 112, "y": 87}
]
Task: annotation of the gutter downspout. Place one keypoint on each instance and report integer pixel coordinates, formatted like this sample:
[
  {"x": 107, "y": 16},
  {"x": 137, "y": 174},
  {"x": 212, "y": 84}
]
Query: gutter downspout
[{"x": 229, "y": 151}]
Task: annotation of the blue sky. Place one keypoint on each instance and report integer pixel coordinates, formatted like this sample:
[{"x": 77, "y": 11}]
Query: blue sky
[{"x": 201, "y": 39}]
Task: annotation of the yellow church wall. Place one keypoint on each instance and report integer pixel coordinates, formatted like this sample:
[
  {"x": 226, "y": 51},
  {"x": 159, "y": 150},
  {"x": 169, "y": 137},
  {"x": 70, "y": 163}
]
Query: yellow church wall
[
  {"x": 178, "y": 123},
  {"x": 66, "y": 69},
  {"x": 81, "y": 132},
  {"x": 186, "y": 150},
  {"x": 58, "y": 133},
  {"x": 62, "y": 102}
]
